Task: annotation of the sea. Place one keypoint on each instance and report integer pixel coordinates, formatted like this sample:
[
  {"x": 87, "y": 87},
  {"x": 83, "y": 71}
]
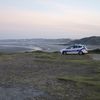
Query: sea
[{"x": 29, "y": 45}]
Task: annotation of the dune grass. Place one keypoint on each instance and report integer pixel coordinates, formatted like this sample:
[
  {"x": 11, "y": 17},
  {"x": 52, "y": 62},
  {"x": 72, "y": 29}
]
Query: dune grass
[
  {"x": 95, "y": 81},
  {"x": 44, "y": 70},
  {"x": 92, "y": 83}
]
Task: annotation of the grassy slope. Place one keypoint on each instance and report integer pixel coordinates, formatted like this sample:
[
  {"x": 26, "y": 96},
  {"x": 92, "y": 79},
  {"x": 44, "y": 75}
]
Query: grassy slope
[{"x": 69, "y": 77}]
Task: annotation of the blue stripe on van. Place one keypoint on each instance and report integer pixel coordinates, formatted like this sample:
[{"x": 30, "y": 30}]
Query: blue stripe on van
[{"x": 74, "y": 50}]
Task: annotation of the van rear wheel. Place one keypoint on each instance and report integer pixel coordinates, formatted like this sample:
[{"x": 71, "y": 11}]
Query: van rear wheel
[
  {"x": 81, "y": 53},
  {"x": 64, "y": 52}
]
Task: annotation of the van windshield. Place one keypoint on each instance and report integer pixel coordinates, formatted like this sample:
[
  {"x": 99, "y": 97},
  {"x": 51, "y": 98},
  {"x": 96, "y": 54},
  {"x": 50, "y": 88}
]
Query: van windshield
[{"x": 69, "y": 47}]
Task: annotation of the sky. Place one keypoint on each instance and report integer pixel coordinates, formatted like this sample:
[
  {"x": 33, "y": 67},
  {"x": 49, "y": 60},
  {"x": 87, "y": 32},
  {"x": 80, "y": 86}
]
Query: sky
[{"x": 49, "y": 19}]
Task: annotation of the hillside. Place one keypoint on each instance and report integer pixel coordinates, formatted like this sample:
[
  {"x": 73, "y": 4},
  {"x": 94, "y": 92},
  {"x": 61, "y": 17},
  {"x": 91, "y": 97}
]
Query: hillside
[
  {"x": 94, "y": 40},
  {"x": 49, "y": 76}
]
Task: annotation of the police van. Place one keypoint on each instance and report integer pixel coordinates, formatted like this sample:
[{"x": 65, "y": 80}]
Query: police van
[{"x": 75, "y": 49}]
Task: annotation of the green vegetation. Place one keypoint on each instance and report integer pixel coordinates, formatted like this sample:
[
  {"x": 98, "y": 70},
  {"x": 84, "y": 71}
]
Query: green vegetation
[
  {"x": 82, "y": 79},
  {"x": 92, "y": 83},
  {"x": 94, "y": 40},
  {"x": 64, "y": 77},
  {"x": 97, "y": 51}
]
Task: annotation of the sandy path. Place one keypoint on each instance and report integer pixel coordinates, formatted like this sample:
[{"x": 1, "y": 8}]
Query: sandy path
[{"x": 95, "y": 56}]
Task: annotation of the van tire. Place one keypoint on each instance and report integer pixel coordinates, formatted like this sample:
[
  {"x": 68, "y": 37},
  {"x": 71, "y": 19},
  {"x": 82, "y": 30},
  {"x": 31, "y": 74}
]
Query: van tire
[
  {"x": 64, "y": 52},
  {"x": 81, "y": 53}
]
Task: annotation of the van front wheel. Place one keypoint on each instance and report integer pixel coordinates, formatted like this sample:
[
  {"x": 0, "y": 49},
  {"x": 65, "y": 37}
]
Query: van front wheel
[{"x": 81, "y": 53}]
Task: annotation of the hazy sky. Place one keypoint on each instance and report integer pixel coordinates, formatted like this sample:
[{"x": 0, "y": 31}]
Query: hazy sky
[{"x": 49, "y": 18}]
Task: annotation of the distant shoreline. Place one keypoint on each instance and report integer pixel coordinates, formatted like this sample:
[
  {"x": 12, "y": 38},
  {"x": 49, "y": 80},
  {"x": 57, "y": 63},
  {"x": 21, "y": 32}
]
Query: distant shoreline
[
  {"x": 13, "y": 49},
  {"x": 46, "y": 45}
]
